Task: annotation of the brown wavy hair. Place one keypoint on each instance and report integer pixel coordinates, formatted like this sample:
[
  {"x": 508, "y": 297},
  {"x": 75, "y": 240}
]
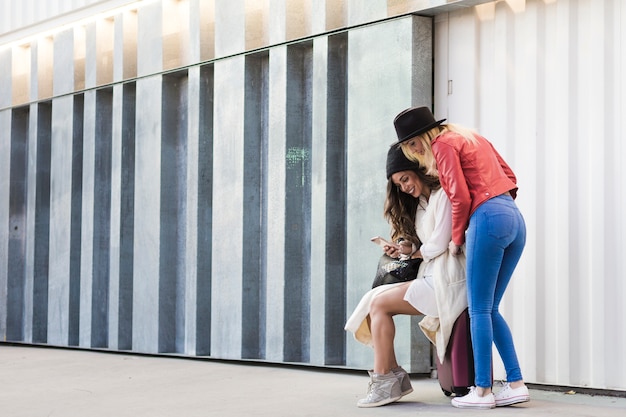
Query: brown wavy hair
[{"x": 400, "y": 207}]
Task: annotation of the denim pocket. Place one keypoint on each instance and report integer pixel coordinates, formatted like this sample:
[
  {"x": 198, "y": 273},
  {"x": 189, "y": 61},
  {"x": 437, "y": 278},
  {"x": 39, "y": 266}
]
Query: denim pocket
[{"x": 500, "y": 225}]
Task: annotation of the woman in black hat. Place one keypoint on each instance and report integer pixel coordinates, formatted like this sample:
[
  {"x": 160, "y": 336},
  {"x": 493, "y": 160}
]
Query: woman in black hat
[
  {"x": 418, "y": 211},
  {"x": 481, "y": 187}
]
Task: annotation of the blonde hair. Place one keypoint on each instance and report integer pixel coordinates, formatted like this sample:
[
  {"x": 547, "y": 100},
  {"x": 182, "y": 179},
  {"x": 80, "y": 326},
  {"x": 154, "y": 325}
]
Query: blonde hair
[
  {"x": 427, "y": 159},
  {"x": 468, "y": 134}
]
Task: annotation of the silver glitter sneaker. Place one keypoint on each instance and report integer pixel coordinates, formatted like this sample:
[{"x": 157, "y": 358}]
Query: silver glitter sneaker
[
  {"x": 404, "y": 379},
  {"x": 382, "y": 389}
]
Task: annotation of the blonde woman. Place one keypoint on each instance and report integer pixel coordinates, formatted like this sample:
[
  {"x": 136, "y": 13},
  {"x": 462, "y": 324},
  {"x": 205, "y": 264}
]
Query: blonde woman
[{"x": 481, "y": 187}]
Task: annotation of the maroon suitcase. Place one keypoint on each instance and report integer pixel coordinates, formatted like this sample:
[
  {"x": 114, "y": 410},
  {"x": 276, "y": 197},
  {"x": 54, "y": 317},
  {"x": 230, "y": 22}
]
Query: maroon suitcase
[{"x": 456, "y": 374}]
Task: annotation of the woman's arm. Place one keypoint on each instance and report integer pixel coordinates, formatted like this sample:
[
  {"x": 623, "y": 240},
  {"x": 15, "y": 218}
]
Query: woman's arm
[{"x": 453, "y": 182}]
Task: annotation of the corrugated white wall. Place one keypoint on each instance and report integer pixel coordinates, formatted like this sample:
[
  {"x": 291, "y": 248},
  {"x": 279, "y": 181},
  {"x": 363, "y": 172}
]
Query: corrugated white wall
[{"x": 543, "y": 80}]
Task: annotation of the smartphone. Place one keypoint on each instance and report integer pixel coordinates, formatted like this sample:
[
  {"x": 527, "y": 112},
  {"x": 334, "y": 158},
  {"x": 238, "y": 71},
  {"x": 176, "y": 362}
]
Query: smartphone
[{"x": 382, "y": 242}]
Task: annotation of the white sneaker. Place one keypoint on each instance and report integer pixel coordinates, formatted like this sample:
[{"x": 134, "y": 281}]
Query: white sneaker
[
  {"x": 509, "y": 396},
  {"x": 473, "y": 400}
]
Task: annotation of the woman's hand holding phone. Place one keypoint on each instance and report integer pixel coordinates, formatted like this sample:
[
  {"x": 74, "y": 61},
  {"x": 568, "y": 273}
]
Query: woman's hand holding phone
[{"x": 391, "y": 249}]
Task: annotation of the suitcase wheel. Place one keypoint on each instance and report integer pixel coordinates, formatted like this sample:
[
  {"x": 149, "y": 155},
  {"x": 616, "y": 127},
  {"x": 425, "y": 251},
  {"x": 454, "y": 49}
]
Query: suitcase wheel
[{"x": 447, "y": 393}]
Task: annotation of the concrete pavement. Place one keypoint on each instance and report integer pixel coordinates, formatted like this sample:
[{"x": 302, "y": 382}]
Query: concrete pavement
[{"x": 48, "y": 382}]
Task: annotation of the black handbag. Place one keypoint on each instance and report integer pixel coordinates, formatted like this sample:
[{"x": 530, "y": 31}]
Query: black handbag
[{"x": 391, "y": 270}]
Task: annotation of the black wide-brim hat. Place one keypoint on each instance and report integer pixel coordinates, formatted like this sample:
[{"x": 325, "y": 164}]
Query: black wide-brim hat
[{"x": 413, "y": 122}]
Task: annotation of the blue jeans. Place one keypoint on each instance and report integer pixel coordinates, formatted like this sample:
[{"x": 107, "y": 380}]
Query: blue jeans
[{"x": 494, "y": 243}]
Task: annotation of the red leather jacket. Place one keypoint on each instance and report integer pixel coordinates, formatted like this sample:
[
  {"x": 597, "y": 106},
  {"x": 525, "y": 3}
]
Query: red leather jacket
[{"x": 470, "y": 173}]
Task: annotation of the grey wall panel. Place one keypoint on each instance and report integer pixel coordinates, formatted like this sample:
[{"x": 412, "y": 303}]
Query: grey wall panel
[
  {"x": 359, "y": 12},
  {"x": 126, "y": 218},
  {"x": 105, "y": 35},
  {"x": 44, "y": 69},
  {"x": 149, "y": 39},
  {"x": 255, "y": 214},
  {"x": 16, "y": 211},
  {"x": 173, "y": 239},
  {"x": 60, "y": 220},
  {"x": 204, "y": 209},
  {"x": 375, "y": 96},
  {"x": 6, "y": 75},
  {"x": 33, "y": 74},
  {"x": 335, "y": 200},
  {"x": 87, "y": 217},
  {"x": 41, "y": 260},
  {"x": 418, "y": 348},
  {"x": 63, "y": 65},
  {"x": 5, "y": 208},
  {"x": 29, "y": 259},
  {"x": 196, "y": 29},
  {"x": 91, "y": 55},
  {"x": 115, "y": 221},
  {"x": 76, "y": 247},
  {"x": 118, "y": 47},
  {"x": 80, "y": 55},
  {"x": 230, "y": 32},
  {"x": 147, "y": 219},
  {"x": 276, "y": 171},
  {"x": 228, "y": 189},
  {"x": 318, "y": 198},
  {"x": 297, "y": 160},
  {"x": 190, "y": 251},
  {"x": 422, "y": 58},
  {"x": 128, "y": 50},
  {"x": 102, "y": 218},
  {"x": 328, "y": 200}
]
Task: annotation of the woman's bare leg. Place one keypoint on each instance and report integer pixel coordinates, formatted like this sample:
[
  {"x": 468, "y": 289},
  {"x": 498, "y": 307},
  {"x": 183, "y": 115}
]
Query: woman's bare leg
[{"x": 383, "y": 308}]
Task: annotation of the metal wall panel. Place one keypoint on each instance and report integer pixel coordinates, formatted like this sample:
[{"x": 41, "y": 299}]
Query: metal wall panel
[
  {"x": 369, "y": 134},
  {"x": 60, "y": 217},
  {"x": 205, "y": 210},
  {"x": 543, "y": 81}
]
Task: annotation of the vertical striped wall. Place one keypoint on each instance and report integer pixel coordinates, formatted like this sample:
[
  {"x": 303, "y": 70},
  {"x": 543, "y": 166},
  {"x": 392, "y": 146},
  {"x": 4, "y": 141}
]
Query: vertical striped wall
[
  {"x": 543, "y": 79},
  {"x": 206, "y": 186},
  {"x": 160, "y": 200}
]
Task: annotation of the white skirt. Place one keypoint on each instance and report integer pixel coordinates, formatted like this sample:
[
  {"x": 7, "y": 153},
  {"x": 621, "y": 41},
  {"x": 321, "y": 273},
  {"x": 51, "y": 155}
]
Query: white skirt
[{"x": 421, "y": 295}]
